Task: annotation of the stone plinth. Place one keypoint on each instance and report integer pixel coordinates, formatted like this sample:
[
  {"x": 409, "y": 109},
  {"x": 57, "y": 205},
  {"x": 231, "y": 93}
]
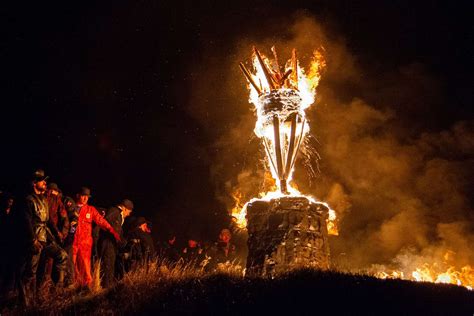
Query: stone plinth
[{"x": 286, "y": 233}]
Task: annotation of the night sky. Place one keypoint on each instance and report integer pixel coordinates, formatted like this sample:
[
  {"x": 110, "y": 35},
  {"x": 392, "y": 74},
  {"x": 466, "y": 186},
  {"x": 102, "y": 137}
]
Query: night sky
[{"x": 98, "y": 93}]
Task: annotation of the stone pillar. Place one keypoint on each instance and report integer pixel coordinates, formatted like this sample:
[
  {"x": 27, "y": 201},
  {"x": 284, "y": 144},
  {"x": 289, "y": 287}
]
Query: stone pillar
[{"x": 286, "y": 233}]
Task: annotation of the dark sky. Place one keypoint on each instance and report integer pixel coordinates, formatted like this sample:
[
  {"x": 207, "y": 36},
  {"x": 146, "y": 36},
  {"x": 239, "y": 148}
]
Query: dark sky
[{"x": 97, "y": 94}]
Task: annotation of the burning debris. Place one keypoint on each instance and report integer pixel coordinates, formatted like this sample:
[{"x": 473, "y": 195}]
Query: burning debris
[{"x": 285, "y": 228}]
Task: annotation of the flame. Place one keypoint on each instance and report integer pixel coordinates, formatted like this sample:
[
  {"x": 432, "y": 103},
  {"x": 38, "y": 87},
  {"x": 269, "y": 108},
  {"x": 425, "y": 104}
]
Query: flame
[
  {"x": 268, "y": 76},
  {"x": 265, "y": 77},
  {"x": 436, "y": 272},
  {"x": 305, "y": 84},
  {"x": 239, "y": 211}
]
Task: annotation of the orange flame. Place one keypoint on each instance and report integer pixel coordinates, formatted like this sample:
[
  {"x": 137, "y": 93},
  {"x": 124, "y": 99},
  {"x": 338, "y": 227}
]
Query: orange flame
[
  {"x": 239, "y": 211},
  {"x": 436, "y": 272},
  {"x": 267, "y": 75}
]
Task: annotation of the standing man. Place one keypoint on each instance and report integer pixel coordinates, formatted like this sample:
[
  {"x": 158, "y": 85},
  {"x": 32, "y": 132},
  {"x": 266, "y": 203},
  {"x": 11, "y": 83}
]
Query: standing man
[
  {"x": 108, "y": 246},
  {"x": 224, "y": 251},
  {"x": 82, "y": 244},
  {"x": 73, "y": 216},
  {"x": 59, "y": 224},
  {"x": 39, "y": 237},
  {"x": 141, "y": 242},
  {"x": 169, "y": 251},
  {"x": 193, "y": 253},
  {"x": 57, "y": 212}
]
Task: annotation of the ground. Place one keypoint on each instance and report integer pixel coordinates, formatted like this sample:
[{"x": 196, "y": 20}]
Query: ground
[{"x": 160, "y": 290}]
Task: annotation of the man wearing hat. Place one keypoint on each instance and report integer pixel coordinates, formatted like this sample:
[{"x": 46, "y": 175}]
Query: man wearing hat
[
  {"x": 108, "y": 246},
  {"x": 82, "y": 244},
  {"x": 39, "y": 237},
  {"x": 141, "y": 242},
  {"x": 59, "y": 224}
]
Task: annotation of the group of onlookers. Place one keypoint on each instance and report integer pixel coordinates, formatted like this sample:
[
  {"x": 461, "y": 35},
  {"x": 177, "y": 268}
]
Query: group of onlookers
[{"x": 51, "y": 240}]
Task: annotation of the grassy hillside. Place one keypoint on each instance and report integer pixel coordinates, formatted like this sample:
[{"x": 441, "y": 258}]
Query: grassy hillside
[{"x": 184, "y": 291}]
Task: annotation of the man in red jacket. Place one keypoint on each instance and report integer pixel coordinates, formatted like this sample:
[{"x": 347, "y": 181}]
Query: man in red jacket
[{"x": 82, "y": 244}]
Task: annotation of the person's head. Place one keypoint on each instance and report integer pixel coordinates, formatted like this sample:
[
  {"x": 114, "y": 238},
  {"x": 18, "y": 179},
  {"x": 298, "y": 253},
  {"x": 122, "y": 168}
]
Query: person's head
[
  {"x": 83, "y": 196},
  {"x": 68, "y": 202},
  {"x": 39, "y": 181},
  {"x": 142, "y": 224},
  {"x": 192, "y": 243},
  {"x": 126, "y": 206},
  {"x": 145, "y": 228},
  {"x": 225, "y": 235},
  {"x": 53, "y": 189},
  {"x": 7, "y": 204},
  {"x": 171, "y": 240}
]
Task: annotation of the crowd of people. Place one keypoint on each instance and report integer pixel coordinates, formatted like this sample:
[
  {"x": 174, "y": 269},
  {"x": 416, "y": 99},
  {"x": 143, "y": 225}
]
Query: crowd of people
[{"x": 53, "y": 241}]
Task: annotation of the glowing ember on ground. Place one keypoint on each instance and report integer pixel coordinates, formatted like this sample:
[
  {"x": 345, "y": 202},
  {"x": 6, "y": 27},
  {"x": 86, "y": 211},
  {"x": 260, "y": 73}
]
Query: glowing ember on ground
[{"x": 280, "y": 96}]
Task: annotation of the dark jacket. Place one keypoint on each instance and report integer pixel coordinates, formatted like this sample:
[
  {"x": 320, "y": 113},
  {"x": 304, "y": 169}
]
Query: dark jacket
[
  {"x": 193, "y": 255},
  {"x": 221, "y": 253},
  {"x": 58, "y": 215},
  {"x": 141, "y": 243},
  {"x": 114, "y": 217},
  {"x": 36, "y": 216},
  {"x": 169, "y": 252}
]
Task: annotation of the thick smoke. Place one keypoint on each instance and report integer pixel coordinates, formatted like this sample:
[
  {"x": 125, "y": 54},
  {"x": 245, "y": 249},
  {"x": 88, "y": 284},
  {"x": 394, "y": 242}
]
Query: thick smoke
[{"x": 401, "y": 189}]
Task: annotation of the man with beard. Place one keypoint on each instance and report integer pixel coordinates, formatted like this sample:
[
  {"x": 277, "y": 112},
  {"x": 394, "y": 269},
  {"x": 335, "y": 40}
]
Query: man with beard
[
  {"x": 39, "y": 238},
  {"x": 108, "y": 245},
  {"x": 82, "y": 243}
]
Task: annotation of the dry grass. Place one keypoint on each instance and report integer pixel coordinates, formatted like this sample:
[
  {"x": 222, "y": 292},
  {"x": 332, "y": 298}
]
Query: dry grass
[
  {"x": 134, "y": 288},
  {"x": 161, "y": 287},
  {"x": 95, "y": 286}
]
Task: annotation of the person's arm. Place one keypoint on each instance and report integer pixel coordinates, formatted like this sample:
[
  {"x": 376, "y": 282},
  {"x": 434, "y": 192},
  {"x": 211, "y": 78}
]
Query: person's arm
[
  {"x": 64, "y": 219},
  {"x": 102, "y": 223},
  {"x": 114, "y": 219}
]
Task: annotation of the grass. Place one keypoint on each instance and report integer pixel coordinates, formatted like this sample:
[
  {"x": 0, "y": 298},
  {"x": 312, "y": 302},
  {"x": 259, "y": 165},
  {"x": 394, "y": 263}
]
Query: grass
[{"x": 161, "y": 288}]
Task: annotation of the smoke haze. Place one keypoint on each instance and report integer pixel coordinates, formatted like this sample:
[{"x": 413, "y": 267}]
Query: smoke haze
[{"x": 401, "y": 188}]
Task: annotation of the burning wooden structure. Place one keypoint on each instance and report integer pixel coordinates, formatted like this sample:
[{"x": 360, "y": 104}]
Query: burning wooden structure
[
  {"x": 286, "y": 233},
  {"x": 287, "y": 230}
]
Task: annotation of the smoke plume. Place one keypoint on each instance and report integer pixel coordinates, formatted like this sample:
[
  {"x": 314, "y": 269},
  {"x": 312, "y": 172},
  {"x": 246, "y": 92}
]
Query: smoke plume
[{"x": 400, "y": 187}]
